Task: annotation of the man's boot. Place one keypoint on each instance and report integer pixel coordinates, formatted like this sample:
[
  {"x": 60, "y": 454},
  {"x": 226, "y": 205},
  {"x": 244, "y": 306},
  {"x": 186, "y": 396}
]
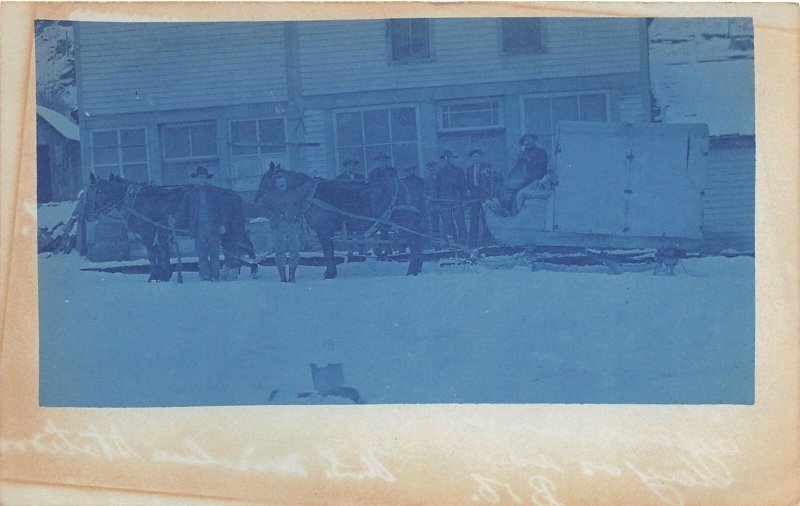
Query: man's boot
[
  {"x": 292, "y": 270},
  {"x": 282, "y": 273}
]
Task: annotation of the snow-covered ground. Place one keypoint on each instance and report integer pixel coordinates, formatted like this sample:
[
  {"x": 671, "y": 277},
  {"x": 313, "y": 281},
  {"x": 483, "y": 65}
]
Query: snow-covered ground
[
  {"x": 456, "y": 333},
  {"x": 696, "y": 64}
]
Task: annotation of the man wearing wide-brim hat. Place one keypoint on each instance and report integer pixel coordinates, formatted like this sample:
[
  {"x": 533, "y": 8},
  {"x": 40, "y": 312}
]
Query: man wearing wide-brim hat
[
  {"x": 383, "y": 167},
  {"x": 483, "y": 183},
  {"x": 202, "y": 209},
  {"x": 530, "y": 166},
  {"x": 449, "y": 195},
  {"x": 352, "y": 171},
  {"x": 382, "y": 195}
]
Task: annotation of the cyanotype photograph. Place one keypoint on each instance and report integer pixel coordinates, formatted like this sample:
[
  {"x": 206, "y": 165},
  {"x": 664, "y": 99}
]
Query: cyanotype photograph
[{"x": 396, "y": 211}]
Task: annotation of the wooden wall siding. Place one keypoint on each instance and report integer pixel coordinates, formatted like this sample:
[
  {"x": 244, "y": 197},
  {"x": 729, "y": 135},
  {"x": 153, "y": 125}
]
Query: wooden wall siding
[
  {"x": 175, "y": 66},
  {"x": 729, "y": 203},
  {"x": 342, "y": 56},
  {"x": 630, "y": 106},
  {"x": 316, "y": 158}
]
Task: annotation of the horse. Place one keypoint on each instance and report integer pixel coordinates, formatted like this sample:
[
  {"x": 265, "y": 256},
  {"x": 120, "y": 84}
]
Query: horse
[
  {"x": 146, "y": 210},
  {"x": 366, "y": 205}
]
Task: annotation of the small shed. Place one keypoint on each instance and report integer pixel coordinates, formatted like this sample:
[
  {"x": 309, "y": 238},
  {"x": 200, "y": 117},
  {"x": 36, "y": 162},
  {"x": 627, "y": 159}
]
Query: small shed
[{"x": 58, "y": 157}]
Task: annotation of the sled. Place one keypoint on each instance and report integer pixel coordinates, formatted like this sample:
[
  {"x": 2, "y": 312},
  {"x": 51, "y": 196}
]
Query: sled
[{"x": 614, "y": 185}]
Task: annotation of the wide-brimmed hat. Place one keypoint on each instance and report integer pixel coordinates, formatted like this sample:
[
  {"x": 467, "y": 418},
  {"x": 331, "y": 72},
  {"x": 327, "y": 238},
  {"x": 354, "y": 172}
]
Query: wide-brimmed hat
[
  {"x": 202, "y": 171},
  {"x": 448, "y": 153},
  {"x": 525, "y": 136},
  {"x": 475, "y": 150},
  {"x": 381, "y": 155},
  {"x": 351, "y": 161}
]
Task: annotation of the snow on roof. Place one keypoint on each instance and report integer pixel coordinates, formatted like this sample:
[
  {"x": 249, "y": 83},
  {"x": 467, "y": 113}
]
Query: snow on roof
[
  {"x": 60, "y": 122},
  {"x": 701, "y": 71}
]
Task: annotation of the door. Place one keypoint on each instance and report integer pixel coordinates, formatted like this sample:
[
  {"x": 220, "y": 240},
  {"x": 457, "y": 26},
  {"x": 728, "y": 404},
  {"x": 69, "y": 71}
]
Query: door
[{"x": 592, "y": 169}]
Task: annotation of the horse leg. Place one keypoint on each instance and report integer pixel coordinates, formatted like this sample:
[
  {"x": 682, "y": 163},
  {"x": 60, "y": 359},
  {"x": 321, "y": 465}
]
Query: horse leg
[
  {"x": 415, "y": 262},
  {"x": 326, "y": 240},
  {"x": 166, "y": 266},
  {"x": 153, "y": 258}
]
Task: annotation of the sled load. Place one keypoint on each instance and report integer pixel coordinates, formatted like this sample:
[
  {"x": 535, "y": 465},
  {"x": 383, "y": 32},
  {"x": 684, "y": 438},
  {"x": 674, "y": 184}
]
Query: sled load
[{"x": 615, "y": 185}]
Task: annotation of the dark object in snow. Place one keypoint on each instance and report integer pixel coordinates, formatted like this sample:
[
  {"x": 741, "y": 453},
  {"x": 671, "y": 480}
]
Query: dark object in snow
[
  {"x": 667, "y": 259},
  {"x": 273, "y": 394},
  {"x": 327, "y": 378}
]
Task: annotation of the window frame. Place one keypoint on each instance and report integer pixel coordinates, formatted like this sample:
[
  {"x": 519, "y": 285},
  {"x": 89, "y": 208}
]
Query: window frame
[
  {"x": 466, "y": 101},
  {"x": 119, "y": 165},
  {"x": 259, "y": 154},
  {"x": 163, "y": 127},
  {"x": 524, "y": 52},
  {"x": 554, "y": 128},
  {"x": 380, "y": 107},
  {"x": 409, "y": 60}
]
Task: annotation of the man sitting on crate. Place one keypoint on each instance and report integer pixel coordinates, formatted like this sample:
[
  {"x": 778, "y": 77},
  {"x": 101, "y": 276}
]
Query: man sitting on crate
[
  {"x": 530, "y": 167},
  {"x": 202, "y": 210},
  {"x": 283, "y": 207}
]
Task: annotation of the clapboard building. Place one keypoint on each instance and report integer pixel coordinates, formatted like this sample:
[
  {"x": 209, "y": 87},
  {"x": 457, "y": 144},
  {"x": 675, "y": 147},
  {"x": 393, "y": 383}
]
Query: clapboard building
[
  {"x": 58, "y": 157},
  {"x": 157, "y": 100}
]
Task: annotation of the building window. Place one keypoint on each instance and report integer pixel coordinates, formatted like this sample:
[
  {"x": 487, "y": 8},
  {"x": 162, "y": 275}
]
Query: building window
[
  {"x": 362, "y": 134},
  {"x": 189, "y": 141},
  {"x": 542, "y": 114},
  {"x": 470, "y": 115},
  {"x": 122, "y": 152},
  {"x": 255, "y": 143},
  {"x": 521, "y": 35},
  {"x": 409, "y": 39}
]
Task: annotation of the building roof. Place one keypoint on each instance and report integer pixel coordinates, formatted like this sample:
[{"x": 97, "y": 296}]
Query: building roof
[{"x": 64, "y": 125}]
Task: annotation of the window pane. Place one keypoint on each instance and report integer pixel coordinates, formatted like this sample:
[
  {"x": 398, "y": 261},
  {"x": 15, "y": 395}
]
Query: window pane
[
  {"x": 371, "y": 151},
  {"x": 204, "y": 139},
  {"x": 404, "y": 124},
  {"x": 176, "y": 142},
  {"x": 103, "y": 171},
  {"x": 132, "y": 137},
  {"x": 348, "y": 129},
  {"x": 243, "y": 138},
  {"x": 105, "y": 139},
  {"x": 593, "y": 107},
  {"x": 537, "y": 115},
  {"x": 376, "y": 127},
  {"x": 135, "y": 172},
  {"x": 405, "y": 156},
  {"x": 272, "y": 131},
  {"x": 134, "y": 154},
  {"x": 400, "y": 34},
  {"x": 106, "y": 156},
  {"x": 565, "y": 108},
  {"x": 521, "y": 34},
  {"x": 419, "y": 38}
]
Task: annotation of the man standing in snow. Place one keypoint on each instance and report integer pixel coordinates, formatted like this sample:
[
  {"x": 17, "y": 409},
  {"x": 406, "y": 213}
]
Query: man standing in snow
[
  {"x": 205, "y": 214},
  {"x": 282, "y": 207},
  {"x": 451, "y": 189},
  {"x": 482, "y": 184}
]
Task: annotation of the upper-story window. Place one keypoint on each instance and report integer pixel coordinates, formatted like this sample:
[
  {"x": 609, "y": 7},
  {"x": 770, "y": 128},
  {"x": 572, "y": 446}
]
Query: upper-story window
[
  {"x": 521, "y": 35},
  {"x": 409, "y": 39},
  {"x": 189, "y": 141},
  {"x": 122, "y": 152}
]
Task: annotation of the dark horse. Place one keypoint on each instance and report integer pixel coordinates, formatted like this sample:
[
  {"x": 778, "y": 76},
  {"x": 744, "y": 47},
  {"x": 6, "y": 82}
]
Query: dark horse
[
  {"x": 146, "y": 210},
  {"x": 365, "y": 206}
]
